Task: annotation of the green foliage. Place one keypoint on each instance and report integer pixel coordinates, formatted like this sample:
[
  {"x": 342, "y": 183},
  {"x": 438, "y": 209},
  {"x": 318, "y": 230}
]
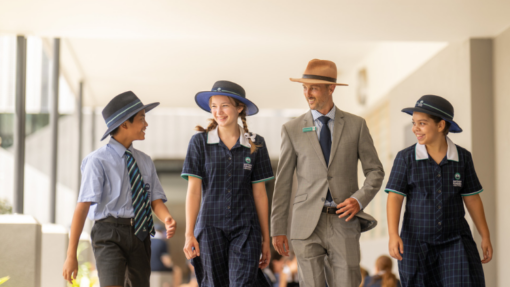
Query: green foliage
[{"x": 5, "y": 208}]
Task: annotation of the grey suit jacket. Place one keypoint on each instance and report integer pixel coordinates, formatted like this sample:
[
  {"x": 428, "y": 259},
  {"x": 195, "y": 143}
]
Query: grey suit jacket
[{"x": 301, "y": 152}]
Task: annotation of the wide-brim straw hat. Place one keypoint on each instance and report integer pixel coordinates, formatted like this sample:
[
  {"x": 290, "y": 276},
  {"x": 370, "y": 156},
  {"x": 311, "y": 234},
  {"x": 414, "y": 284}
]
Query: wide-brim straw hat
[
  {"x": 319, "y": 72},
  {"x": 229, "y": 89}
]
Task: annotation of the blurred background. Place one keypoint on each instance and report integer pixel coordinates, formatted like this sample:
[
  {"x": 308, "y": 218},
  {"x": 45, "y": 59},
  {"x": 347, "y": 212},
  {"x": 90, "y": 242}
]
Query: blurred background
[{"x": 62, "y": 61}]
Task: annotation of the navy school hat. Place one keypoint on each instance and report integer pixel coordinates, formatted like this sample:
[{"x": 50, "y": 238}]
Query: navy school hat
[
  {"x": 121, "y": 108},
  {"x": 436, "y": 106},
  {"x": 229, "y": 89}
]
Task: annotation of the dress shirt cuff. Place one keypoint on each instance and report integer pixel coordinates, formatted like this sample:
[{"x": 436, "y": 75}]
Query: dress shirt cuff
[{"x": 360, "y": 205}]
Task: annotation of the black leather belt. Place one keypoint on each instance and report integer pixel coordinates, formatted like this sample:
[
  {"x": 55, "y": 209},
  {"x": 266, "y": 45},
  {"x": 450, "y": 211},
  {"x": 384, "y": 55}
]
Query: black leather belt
[
  {"x": 330, "y": 210},
  {"x": 123, "y": 221}
]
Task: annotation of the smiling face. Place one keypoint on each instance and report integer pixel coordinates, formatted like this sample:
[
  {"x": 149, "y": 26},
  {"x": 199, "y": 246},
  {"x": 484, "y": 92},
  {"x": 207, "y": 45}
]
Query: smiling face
[
  {"x": 224, "y": 111},
  {"x": 319, "y": 96},
  {"x": 427, "y": 131},
  {"x": 136, "y": 130}
]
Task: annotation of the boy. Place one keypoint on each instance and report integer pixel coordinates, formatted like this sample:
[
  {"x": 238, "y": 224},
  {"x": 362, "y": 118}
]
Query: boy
[{"x": 119, "y": 191}]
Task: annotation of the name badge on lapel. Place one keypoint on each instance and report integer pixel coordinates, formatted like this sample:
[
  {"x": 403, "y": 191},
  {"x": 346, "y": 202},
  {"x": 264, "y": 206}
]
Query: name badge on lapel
[
  {"x": 309, "y": 129},
  {"x": 247, "y": 164},
  {"x": 457, "y": 182}
]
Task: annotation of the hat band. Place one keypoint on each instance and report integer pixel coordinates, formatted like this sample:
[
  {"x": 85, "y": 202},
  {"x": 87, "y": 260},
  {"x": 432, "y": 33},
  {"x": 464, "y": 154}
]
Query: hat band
[
  {"x": 220, "y": 90},
  {"x": 420, "y": 104},
  {"x": 315, "y": 77},
  {"x": 126, "y": 109}
]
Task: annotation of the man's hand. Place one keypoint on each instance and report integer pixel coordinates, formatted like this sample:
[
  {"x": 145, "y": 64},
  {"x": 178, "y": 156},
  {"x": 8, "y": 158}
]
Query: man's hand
[
  {"x": 281, "y": 244},
  {"x": 349, "y": 207},
  {"x": 70, "y": 270},
  {"x": 170, "y": 226}
]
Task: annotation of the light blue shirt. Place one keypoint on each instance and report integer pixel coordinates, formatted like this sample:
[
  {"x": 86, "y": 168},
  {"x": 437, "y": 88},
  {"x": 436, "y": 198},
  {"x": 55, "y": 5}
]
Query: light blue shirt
[
  {"x": 331, "y": 124},
  {"x": 105, "y": 181}
]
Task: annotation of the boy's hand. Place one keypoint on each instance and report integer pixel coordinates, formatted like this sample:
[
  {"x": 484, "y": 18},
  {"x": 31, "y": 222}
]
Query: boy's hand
[
  {"x": 396, "y": 247},
  {"x": 487, "y": 250},
  {"x": 170, "y": 226},
  {"x": 70, "y": 270},
  {"x": 191, "y": 249}
]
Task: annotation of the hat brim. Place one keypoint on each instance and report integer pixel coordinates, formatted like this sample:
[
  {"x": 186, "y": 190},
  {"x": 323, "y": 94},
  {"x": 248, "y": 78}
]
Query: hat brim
[
  {"x": 118, "y": 122},
  {"x": 314, "y": 81},
  {"x": 454, "y": 127},
  {"x": 202, "y": 100}
]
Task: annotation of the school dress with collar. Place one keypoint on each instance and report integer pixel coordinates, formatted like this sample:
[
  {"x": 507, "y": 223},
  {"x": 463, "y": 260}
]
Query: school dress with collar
[
  {"x": 439, "y": 249},
  {"x": 227, "y": 228}
]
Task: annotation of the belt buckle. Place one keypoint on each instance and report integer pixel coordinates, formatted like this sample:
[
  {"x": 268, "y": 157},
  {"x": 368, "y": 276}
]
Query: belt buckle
[
  {"x": 132, "y": 222},
  {"x": 329, "y": 208}
]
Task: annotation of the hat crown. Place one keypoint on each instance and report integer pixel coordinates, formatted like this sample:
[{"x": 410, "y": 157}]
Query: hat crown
[
  {"x": 119, "y": 103},
  {"x": 436, "y": 104},
  {"x": 323, "y": 68},
  {"x": 228, "y": 87}
]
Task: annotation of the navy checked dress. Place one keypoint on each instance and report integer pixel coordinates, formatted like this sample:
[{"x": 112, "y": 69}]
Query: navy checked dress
[
  {"x": 439, "y": 249},
  {"x": 227, "y": 228}
]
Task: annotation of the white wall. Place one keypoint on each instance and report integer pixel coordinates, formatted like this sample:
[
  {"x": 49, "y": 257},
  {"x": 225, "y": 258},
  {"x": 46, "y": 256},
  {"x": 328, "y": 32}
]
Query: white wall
[{"x": 502, "y": 139}]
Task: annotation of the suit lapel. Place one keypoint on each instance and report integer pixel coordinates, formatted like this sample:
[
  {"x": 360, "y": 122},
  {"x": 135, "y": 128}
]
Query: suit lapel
[
  {"x": 337, "y": 133},
  {"x": 312, "y": 137}
]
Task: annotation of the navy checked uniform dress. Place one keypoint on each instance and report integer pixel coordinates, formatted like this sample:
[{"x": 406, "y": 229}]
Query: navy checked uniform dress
[
  {"x": 439, "y": 249},
  {"x": 227, "y": 228}
]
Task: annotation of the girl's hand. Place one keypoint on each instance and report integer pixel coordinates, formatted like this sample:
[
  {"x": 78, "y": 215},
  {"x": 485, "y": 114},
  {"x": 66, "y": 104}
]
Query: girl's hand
[
  {"x": 487, "y": 250},
  {"x": 266, "y": 255},
  {"x": 396, "y": 247},
  {"x": 191, "y": 249}
]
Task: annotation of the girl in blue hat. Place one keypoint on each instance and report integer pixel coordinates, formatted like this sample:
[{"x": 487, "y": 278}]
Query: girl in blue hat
[
  {"x": 436, "y": 247},
  {"x": 227, "y": 234}
]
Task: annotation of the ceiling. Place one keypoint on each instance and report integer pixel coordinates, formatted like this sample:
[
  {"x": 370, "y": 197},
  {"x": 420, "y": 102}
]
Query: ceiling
[{"x": 168, "y": 50}]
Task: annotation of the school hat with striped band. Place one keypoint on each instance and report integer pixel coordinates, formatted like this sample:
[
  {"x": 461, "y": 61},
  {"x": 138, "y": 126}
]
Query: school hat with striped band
[
  {"x": 121, "y": 108},
  {"x": 436, "y": 106}
]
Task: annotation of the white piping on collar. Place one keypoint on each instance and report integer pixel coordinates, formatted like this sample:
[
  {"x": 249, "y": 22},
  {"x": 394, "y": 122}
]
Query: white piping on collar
[
  {"x": 452, "y": 153},
  {"x": 214, "y": 138}
]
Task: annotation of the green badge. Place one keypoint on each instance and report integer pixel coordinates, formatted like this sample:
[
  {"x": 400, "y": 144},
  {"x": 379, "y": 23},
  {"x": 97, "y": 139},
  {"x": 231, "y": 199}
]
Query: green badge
[
  {"x": 247, "y": 160},
  {"x": 457, "y": 176},
  {"x": 309, "y": 129}
]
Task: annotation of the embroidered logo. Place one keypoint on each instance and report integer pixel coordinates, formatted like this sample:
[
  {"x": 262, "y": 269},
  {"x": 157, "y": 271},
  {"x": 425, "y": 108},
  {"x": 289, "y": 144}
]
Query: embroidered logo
[
  {"x": 457, "y": 176},
  {"x": 147, "y": 187},
  {"x": 420, "y": 104},
  {"x": 247, "y": 160}
]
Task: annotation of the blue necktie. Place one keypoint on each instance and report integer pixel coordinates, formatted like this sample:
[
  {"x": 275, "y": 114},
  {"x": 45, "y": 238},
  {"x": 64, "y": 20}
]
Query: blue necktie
[
  {"x": 325, "y": 141},
  {"x": 141, "y": 201}
]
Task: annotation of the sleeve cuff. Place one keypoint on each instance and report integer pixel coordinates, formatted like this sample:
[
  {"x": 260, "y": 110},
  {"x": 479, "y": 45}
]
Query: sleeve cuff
[
  {"x": 186, "y": 175},
  {"x": 360, "y": 205},
  {"x": 262, "y": 180},
  {"x": 473, "y": 193},
  {"x": 394, "y": 191}
]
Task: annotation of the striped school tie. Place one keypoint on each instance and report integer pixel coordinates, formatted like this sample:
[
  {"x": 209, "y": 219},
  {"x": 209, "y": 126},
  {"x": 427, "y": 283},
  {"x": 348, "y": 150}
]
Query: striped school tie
[{"x": 141, "y": 201}]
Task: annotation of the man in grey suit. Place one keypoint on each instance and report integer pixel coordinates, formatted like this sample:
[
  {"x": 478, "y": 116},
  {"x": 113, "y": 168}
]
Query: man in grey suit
[{"x": 323, "y": 147}]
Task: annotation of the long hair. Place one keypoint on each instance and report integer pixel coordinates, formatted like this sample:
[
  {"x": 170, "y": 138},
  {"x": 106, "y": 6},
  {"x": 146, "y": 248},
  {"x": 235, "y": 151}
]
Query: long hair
[
  {"x": 387, "y": 279},
  {"x": 213, "y": 124}
]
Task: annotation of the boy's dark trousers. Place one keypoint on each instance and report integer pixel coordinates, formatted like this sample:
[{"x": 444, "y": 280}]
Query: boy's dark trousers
[{"x": 121, "y": 258}]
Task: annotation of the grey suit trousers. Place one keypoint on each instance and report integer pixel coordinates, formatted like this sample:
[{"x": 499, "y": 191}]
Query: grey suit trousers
[{"x": 333, "y": 245}]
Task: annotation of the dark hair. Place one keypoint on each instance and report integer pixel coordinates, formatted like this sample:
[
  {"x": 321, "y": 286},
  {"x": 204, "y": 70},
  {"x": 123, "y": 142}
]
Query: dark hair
[
  {"x": 387, "y": 279},
  {"x": 437, "y": 120},
  {"x": 116, "y": 130},
  {"x": 275, "y": 256}
]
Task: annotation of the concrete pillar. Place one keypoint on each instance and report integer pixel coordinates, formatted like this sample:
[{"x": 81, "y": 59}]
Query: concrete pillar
[
  {"x": 20, "y": 250},
  {"x": 55, "y": 239},
  {"x": 483, "y": 143}
]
